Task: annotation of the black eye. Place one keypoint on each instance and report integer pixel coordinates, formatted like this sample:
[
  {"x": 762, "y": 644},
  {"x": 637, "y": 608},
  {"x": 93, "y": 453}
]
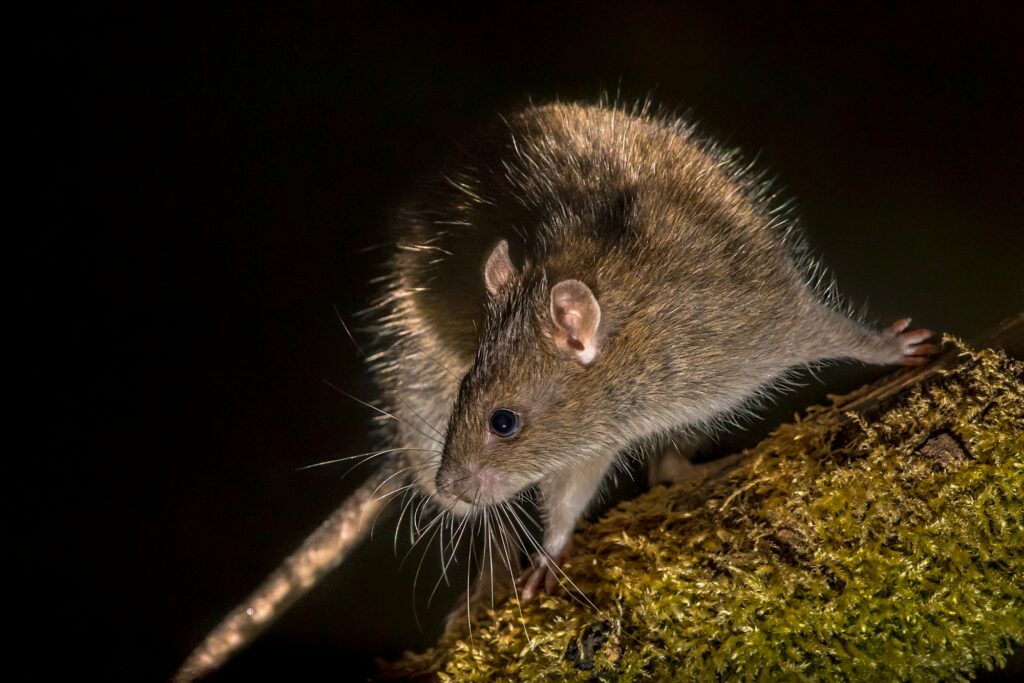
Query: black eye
[{"x": 504, "y": 422}]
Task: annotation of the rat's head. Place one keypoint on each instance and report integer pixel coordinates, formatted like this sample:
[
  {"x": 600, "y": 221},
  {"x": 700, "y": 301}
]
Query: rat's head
[{"x": 531, "y": 402}]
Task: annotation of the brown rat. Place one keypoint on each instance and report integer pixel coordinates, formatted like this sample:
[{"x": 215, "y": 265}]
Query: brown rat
[{"x": 581, "y": 282}]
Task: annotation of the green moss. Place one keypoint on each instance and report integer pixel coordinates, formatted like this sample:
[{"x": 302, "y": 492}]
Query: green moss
[{"x": 888, "y": 548}]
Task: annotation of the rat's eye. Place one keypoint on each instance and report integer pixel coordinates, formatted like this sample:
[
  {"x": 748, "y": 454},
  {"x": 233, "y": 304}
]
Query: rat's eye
[{"x": 504, "y": 422}]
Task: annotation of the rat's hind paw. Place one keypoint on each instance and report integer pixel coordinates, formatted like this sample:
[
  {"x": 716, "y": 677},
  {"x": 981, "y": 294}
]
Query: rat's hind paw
[{"x": 912, "y": 351}]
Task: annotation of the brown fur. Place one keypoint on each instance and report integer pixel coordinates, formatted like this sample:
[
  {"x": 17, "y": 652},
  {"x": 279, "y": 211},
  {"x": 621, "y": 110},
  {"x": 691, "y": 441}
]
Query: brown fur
[
  {"x": 607, "y": 275},
  {"x": 705, "y": 293}
]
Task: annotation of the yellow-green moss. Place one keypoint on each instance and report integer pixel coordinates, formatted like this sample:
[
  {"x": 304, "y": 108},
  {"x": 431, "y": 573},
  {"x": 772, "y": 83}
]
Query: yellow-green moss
[{"x": 887, "y": 548}]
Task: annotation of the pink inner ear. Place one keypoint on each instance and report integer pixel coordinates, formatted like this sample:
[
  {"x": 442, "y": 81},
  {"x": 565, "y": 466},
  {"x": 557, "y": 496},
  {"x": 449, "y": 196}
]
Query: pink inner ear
[
  {"x": 498, "y": 268},
  {"x": 570, "y": 320},
  {"x": 576, "y": 315}
]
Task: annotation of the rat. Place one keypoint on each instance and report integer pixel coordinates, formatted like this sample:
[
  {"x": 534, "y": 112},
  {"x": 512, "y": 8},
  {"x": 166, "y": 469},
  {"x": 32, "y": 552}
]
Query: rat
[{"x": 580, "y": 282}]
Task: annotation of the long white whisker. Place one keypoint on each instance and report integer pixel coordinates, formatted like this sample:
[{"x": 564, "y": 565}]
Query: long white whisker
[
  {"x": 348, "y": 332},
  {"x": 419, "y": 567},
  {"x": 456, "y": 539},
  {"x": 586, "y": 602},
  {"x": 519, "y": 541},
  {"x": 414, "y": 519},
  {"x": 385, "y": 506},
  {"x": 515, "y": 590},
  {"x": 383, "y": 483},
  {"x": 420, "y": 535},
  {"x": 382, "y": 412},
  {"x": 421, "y": 418},
  {"x": 488, "y": 551},
  {"x": 558, "y": 570},
  {"x": 444, "y": 367},
  {"x": 432, "y": 523},
  {"x": 469, "y": 611},
  {"x": 399, "y": 490},
  {"x": 407, "y": 501},
  {"x": 367, "y": 456}
]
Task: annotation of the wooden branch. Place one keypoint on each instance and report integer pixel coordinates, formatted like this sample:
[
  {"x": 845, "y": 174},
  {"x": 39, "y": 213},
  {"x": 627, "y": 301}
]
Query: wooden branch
[{"x": 881, "y": 537}]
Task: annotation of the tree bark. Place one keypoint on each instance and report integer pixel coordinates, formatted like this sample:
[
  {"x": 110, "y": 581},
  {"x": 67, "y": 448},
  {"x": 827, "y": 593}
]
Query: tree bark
[{"x": 854, "y": 542}]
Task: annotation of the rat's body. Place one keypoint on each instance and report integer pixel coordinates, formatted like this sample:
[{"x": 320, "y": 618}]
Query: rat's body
[{"x": 595, "y": 281}]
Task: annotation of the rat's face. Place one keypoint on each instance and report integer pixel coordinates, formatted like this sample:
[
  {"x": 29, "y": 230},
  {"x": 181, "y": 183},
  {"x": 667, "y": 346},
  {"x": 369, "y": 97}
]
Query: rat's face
[{"x": 528, "y": 405}]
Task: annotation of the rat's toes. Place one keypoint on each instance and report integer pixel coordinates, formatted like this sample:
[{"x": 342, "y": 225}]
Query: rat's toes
[
  {"x": 914, "y": 336},
  {"x": 910, "y": 341},
  {"x": 534, "y": 582},
  {"x": 911, "y": 345},
  {"x": 551, "y": 582},
  {"x": 925, "y": 350},
  {"x": 899, "y": 326},
  {"x": 542, "y": 577},
  {"x": 918, "y": 354}
]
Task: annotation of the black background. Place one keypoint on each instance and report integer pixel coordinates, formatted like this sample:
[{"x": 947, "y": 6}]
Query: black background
[{"x": 205, "y": 183}]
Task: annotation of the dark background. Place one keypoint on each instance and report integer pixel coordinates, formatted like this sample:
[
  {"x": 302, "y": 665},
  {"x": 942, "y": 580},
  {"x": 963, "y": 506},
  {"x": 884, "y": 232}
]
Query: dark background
[{"x": 204, "y": 183}]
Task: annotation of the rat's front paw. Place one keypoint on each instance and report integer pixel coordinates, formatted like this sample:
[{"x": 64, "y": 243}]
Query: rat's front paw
[
  {"x": 543, "y": 577},
  {"x": 911, "y": 347}
]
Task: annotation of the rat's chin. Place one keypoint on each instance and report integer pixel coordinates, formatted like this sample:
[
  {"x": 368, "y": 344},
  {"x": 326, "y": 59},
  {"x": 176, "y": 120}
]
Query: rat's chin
[{"x": 461, "y": 508}]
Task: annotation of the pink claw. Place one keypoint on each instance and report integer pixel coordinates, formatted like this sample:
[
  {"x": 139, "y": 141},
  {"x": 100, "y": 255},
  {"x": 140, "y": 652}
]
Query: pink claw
[{"x": 899, "y": 325}]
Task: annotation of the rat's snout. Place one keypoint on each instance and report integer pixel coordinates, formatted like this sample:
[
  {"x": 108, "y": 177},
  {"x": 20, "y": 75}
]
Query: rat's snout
[{"x": 471, "y": 483}]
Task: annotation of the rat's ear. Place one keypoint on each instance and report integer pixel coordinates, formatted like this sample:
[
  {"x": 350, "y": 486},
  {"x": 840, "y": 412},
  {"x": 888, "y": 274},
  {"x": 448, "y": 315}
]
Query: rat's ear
[
  {"x": 576, "y": 315},
  {"x": 498, "y": 268}
]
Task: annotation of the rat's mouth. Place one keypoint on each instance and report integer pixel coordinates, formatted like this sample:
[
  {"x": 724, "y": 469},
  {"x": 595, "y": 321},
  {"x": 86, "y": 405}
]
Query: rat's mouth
[{"x": 478, "y": 486}]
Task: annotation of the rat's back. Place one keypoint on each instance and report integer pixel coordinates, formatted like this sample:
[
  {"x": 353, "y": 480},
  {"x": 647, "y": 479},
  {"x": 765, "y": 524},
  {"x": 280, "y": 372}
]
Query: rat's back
[
  {"x": 644, "y": 190},
  {"x": 682, "y": 244}
]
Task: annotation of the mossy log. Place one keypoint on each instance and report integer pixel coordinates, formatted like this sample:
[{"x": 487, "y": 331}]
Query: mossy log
[{"x": 878, "y": 538}]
